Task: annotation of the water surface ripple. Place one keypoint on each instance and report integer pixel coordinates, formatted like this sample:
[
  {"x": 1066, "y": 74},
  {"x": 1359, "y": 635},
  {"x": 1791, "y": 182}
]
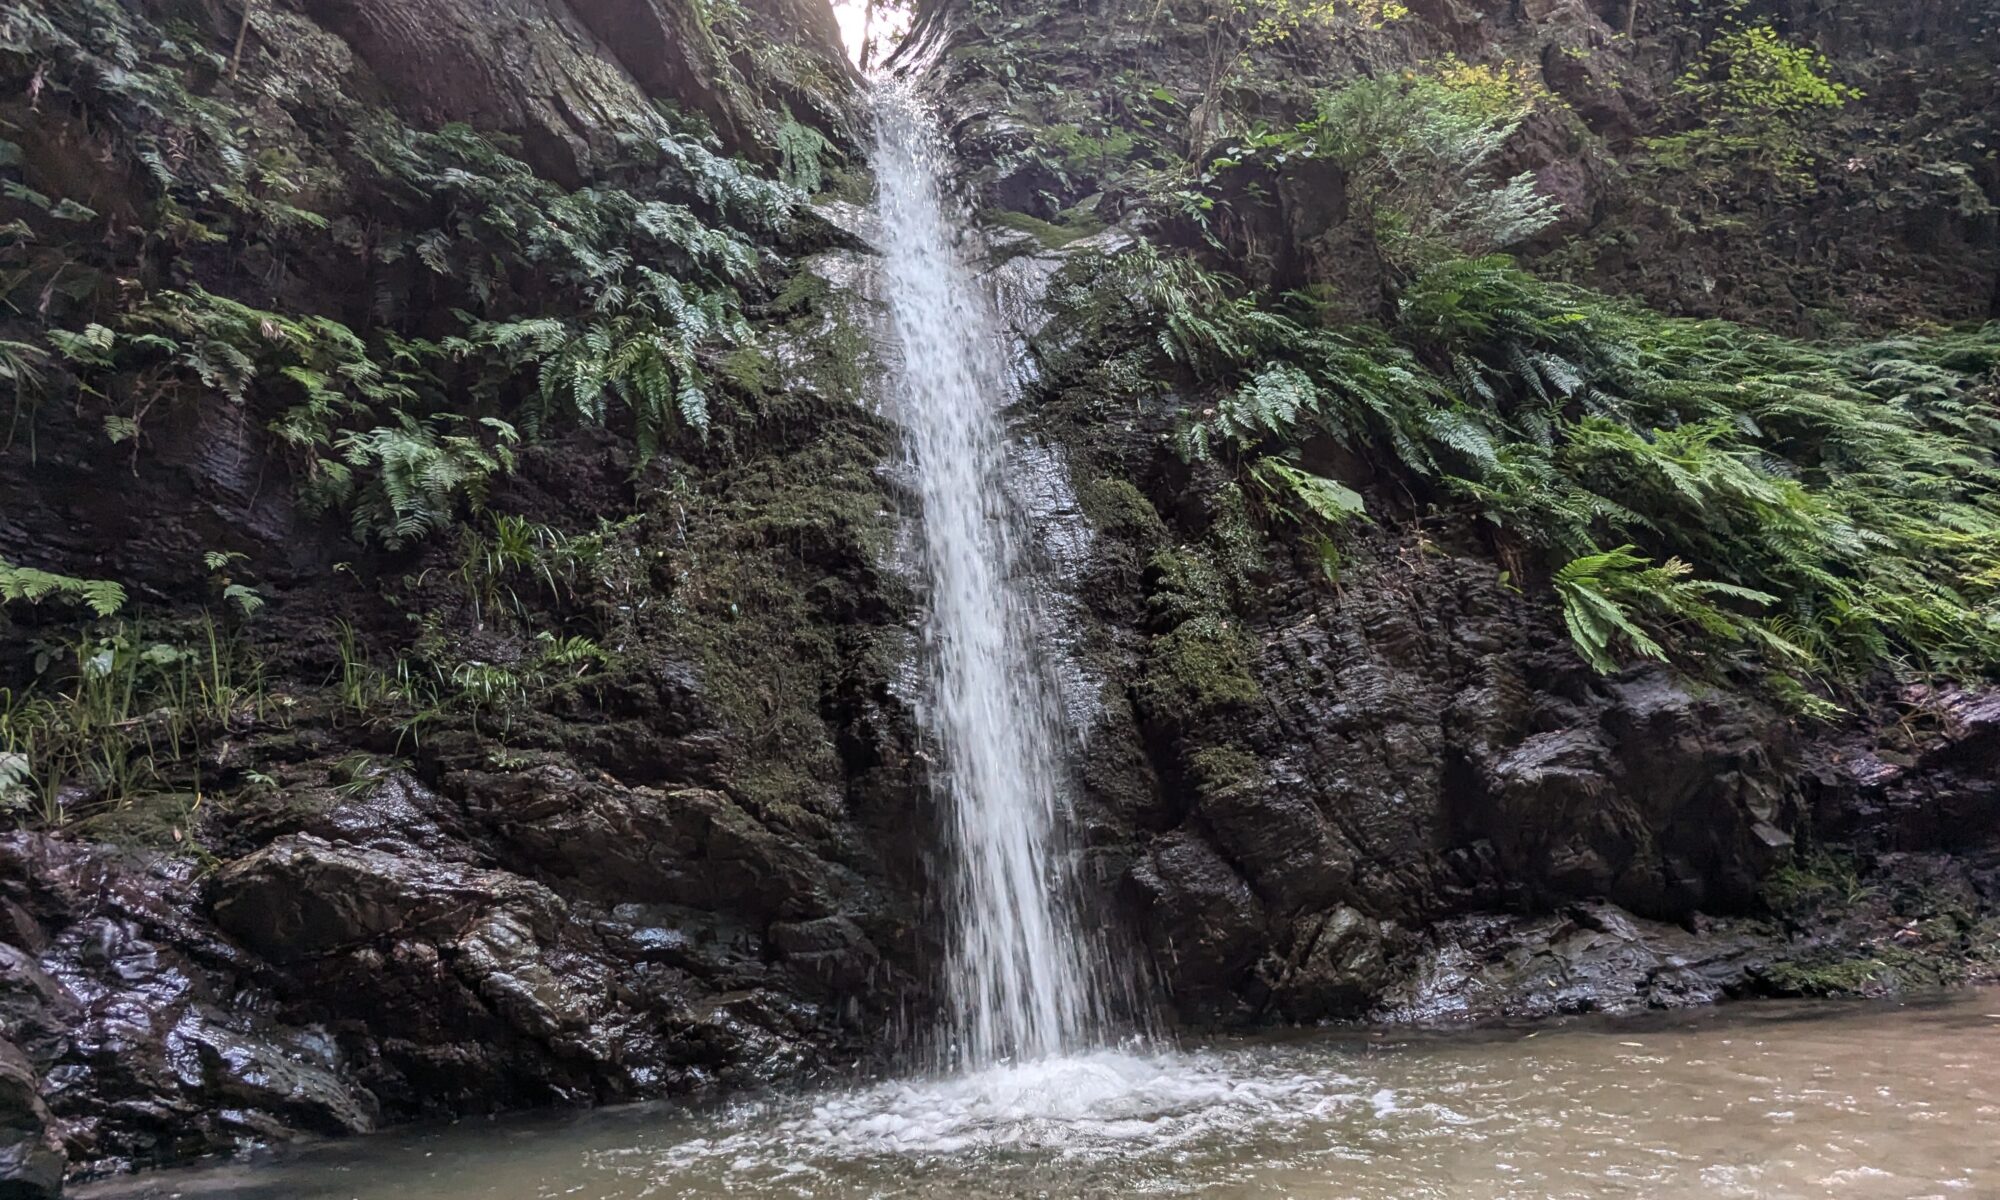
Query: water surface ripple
[{"x": 1775, "y": 1102}]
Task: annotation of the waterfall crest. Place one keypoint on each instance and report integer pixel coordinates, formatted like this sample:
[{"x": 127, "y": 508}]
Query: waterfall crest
[{"x": 1018, "y": 976}]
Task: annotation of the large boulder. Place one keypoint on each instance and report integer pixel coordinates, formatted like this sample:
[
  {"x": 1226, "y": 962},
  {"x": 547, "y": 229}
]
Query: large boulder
[
  {"x": 1200, "y": 919},
  {"x": 302, "y": 897}
]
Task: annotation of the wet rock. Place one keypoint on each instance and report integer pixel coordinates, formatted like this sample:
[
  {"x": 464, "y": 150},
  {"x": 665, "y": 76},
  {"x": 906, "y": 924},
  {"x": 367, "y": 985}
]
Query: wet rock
[
  {"x": 1898, "y": 789},
  {"x": 530, "y": 68},
  {"x": 397, "y": 814},
  {"x": 31, "y": 1156},
  {"x": 1276, "y": 831},
  {"x": 294, "y": 1077},
  {"x": 1587, "y": 958},
  {"x": 36, "y": 1011},
  {"x": 832, "y": 949},
  {"x": 1200, "y": 919},
  {"x": 1347, "y": 961},
  {"x": 303, "y": 897},
  {"x": 149, "y": 1043},
  {"x": 688, "y": 846}
]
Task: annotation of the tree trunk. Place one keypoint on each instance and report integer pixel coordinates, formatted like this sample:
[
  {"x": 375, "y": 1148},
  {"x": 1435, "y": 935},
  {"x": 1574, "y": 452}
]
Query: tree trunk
[{"x": 867, "y": 35}]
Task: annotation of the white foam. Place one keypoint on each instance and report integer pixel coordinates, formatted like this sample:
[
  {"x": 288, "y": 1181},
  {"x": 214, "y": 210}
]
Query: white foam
[{"x": 1099, "y": 1105}]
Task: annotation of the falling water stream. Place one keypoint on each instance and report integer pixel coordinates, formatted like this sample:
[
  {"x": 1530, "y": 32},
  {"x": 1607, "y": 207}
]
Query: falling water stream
[{"x": 1018, "y": 978}]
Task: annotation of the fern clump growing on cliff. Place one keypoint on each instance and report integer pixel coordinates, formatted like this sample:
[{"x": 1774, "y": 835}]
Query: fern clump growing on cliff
[
  {"x": 1820, "y": 511},
  {"x": 1693, "y": 489}
]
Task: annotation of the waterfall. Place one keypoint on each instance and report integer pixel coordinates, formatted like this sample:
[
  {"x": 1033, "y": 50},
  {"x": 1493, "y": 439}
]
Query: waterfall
[{"x": 1017, "y": 976}]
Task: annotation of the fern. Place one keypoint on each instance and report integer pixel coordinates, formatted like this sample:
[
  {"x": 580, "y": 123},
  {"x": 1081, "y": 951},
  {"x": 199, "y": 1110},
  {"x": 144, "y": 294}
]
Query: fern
[
  {"x": 802, "y": 152},
  {"x": 1860, "y": 483},
  {"x": 1603, "y": 592},
  {"x": 26, "y": 584},
  {"x": 407, "y": 480},
  {"x": 1418, "y": 152},
  {"x": 1318, "y": 498}
]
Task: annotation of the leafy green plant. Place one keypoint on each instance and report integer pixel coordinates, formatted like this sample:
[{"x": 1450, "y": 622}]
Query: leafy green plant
[
  {"x": 355, "y": 776},
  {"x": 117, "y": 716},
  {"x": 404, "y": 481},
  {"x": 1602, "y": 594},
  {"x": 1419, "y": 153},
  {"x": 802, "y": 155},
  {"x": 22, "y": 365},
  {"x": 1320, "y": 505},
  {"x": 31, "y": 586},
  {"x": 1744, "y": 108},
  {"x": 643, "y": 355},
  {"x": 1820, "y": 512},
  {"x": 220, "y": 565}
]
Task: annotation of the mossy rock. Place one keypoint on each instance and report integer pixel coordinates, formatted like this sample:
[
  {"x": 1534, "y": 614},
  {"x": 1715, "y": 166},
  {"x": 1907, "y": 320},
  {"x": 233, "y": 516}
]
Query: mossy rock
[
  {"x": 1219, "y": 770},
  {"x": 1198, "y": 672},
  {"x": 1185, "y": 584},
  {"x": 1075, "y": 225},
  {"x": 1889, "y": 971},
  {"x": 1118, "y": 508}
]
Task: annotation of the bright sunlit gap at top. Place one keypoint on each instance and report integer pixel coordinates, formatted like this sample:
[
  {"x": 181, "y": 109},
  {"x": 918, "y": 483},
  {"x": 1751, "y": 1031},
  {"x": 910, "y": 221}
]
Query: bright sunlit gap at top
[{"x": 871, "y": 28}]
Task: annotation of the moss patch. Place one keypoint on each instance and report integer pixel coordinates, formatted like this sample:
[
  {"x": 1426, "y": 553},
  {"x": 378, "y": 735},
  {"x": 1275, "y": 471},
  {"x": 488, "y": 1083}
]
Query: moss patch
[
  {"x": 1197, "y": 672},
  {"x": 1116, "y": 507},
  {"x": 1073, "y": 225},
  {"x": 1217, "y": 770}
]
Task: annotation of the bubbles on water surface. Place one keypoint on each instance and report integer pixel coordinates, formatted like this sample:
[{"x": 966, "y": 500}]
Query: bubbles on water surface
[{"x": 1096, "y": 1108}]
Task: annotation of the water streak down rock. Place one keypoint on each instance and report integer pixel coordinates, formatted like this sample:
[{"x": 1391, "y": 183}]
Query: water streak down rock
[{"x": 1019, "y": 972}]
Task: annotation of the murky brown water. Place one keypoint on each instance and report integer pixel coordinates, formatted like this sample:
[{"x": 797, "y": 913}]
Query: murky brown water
[{"x": 1767, "y": 1101}]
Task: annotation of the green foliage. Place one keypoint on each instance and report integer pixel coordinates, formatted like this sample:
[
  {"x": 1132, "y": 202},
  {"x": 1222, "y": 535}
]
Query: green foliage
[
  {"x": 141, "y": 81},
  {"x": 650, "y": 284},
  {"x": 438, "y": 685},
  {"x": 1814, "y": 882},
  {"x": 220, "y": 565},
  {"x": 1600, "y": 591},
  {"x": 738, "y": 194},
  {"x": 1752, "y": 71},
  {"x": 489, "y": 209},
  {"x": 22, "y": 367},
  {"x": 1317, "y": 504},
  {"x": 628, "y": 294},
  {"x": 323, "y": 386},
  {"x": 1419, "y": 151},
  {"x": 1817, "y": 511},
  {"x": 599, "y": 297},
  {"x": 28, "y": 585},
  {"x": 1276, "y": 20},
  {"x": 562, "y": 566},
  {"x": 404, "y": 481},
  {"x": 643, "y": 354},
  {"x": 1744, "y": 113},
  {"x": 116, "y": 715},
  {"x": 802, "y": 155}
]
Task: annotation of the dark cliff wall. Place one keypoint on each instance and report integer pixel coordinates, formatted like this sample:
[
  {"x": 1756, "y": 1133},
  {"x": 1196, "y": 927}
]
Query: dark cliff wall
[
  {"x": 679, "y": 847},
  {"x": 593, "y": 774},
  {"x": 1403, "y": 791}
]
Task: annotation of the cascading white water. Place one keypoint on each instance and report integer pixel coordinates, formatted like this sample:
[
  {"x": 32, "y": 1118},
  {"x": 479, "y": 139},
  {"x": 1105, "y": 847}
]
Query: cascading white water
[{"x": 1018, "y": 972}]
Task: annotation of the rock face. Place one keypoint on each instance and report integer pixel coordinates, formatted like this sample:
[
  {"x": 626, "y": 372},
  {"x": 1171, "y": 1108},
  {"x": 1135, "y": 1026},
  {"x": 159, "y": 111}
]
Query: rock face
[
  {"x": 571, "y": 77},
  {"x": 367, "y": 966},
  {"x": 1422, "y": 749},
  {"x": 31, "y": 1156}
]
